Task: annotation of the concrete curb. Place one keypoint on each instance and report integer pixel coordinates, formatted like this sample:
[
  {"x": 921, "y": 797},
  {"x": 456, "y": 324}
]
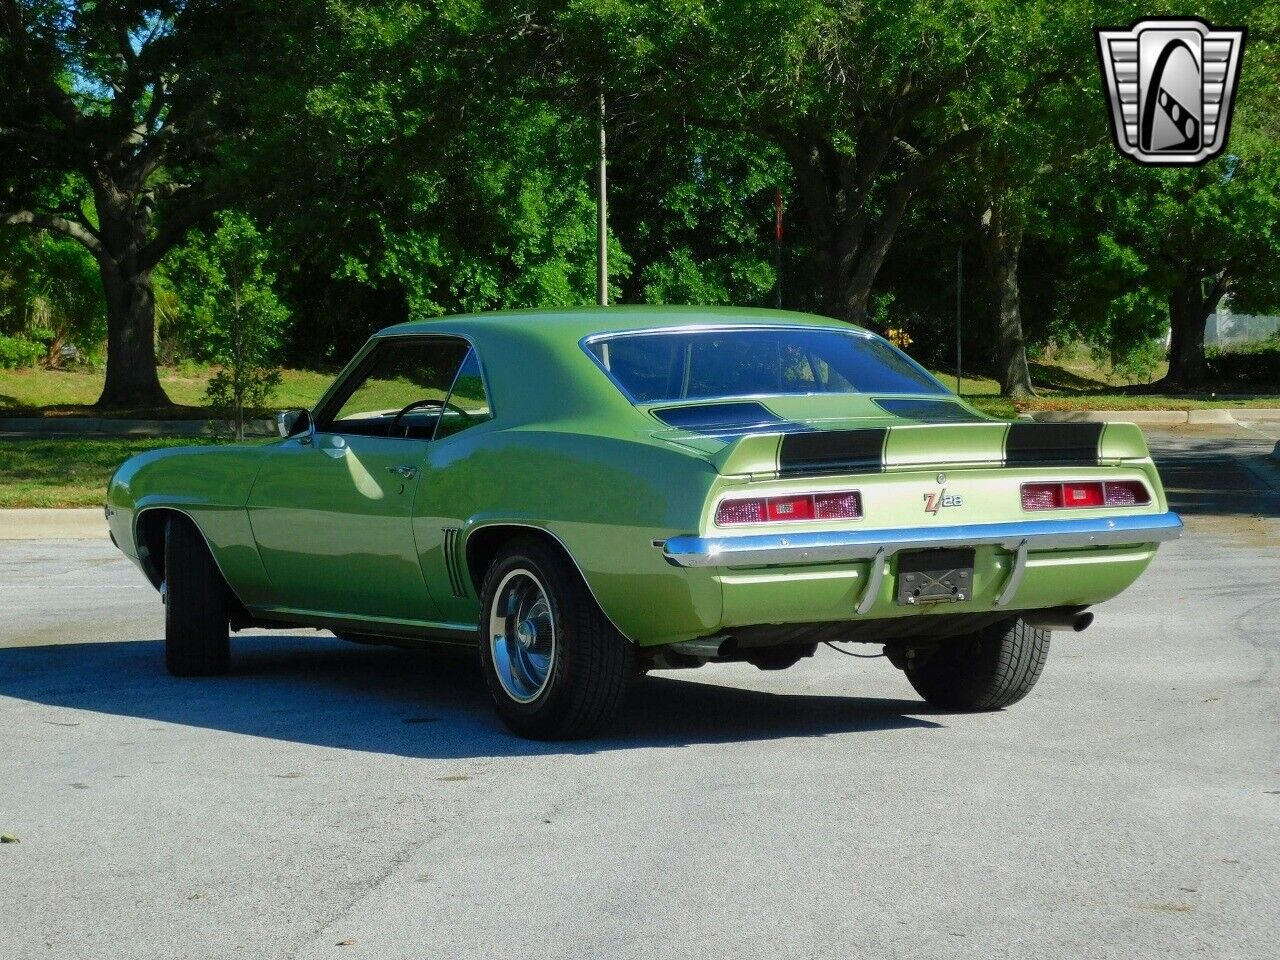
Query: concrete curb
[
  {"x": 82, "y": 523},
  {"x": 1221, "y": 416},
  {"x": 109, "y": 427}
]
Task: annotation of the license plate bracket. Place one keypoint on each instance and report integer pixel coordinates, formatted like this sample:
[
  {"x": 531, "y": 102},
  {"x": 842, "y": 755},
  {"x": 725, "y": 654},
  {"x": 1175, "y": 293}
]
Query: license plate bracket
[{"x": 935, "y": 576}]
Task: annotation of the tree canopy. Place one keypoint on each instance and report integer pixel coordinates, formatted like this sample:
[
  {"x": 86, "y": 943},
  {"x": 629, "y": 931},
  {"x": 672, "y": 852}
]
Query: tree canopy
[{"x": 399, "y": 159}]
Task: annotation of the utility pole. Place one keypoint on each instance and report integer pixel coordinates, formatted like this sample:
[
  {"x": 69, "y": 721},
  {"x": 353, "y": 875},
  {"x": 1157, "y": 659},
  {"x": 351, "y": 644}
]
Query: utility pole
[
  {"x": 602, "y": 214},
  {"x": 959, "y": 287},
  {"x": 777, "y": 243}
]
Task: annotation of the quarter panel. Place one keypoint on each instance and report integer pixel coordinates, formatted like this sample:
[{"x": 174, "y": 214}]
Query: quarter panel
[{"x": 607, "y": 499}]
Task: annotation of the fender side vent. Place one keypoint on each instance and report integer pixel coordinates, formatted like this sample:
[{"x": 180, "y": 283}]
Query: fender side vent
[{"x": 456, "y": 581}]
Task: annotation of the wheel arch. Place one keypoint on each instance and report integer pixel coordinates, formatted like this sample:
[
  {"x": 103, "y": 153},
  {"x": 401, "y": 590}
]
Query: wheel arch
[
  {"x": 149, "y": 528},
  {"x": 485, "y": 541}
]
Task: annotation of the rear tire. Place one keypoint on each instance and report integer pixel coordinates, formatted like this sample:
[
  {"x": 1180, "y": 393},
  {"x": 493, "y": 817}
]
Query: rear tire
[
  {"x": 197, "y": 605},
  {"x": 555, "y": 667},
  {"x": 993, "y": 668}
]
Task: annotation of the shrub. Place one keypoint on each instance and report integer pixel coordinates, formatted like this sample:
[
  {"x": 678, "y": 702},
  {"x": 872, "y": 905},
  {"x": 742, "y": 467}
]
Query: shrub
[
  {"x": 231, "y": 310},
  {"x": 16, "y": 352},
  {"x": 1255, "y": 365}
]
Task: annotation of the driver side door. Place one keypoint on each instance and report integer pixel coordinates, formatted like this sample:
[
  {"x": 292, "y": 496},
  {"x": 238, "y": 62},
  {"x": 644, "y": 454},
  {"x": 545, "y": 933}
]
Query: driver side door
[{"x": 331, "y": 510}]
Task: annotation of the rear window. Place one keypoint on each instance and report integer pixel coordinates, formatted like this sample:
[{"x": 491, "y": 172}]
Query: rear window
[{"x": 756, "y": 361}]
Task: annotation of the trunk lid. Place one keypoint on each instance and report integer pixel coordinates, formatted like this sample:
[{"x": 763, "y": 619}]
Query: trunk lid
[{"x": 748, "y": 439}]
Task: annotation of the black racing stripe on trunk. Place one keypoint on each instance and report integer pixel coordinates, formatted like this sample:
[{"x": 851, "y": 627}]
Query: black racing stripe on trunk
[
  {"x": 832, "y": 451},
  {"x": 1027, "y": 443}
]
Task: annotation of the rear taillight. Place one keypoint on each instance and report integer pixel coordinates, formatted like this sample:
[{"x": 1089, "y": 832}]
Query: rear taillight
[
  {"x": 843, "y": 505},
  {"x": 790, "y": 508},
  {"x": 1088, "y": 493},
  {"x": 1127, "y": 493},
  {"x": 742, "y": 511},
  {"x": 1041, "y": 496},
  {"x": 837, "y": 506},
  {"x": 1082, "y": 495}
]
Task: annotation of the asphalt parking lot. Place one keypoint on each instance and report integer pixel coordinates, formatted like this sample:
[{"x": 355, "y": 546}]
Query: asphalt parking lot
[{"x": 333, "y": 800}]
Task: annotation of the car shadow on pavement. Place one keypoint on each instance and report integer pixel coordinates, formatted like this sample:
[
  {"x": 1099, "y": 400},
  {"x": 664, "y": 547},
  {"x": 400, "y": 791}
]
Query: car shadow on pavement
[
  {"x": 1203, "y": 479},
  {"x": 323, "y": 692}
]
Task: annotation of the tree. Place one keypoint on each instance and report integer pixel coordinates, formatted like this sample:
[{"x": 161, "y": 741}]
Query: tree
[
  {"x": 424, "y": 173},
  {"x": 1187, "y": 238},
  {"x": 867, "y": 101},
  {"x": 111, "y": 119},
  {"x": 1010, "y": 176},
  {"x": 231, "y": 313}
]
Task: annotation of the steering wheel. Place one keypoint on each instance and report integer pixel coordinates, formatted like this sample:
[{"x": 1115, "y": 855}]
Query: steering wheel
[{"x": 417, "y": 404}]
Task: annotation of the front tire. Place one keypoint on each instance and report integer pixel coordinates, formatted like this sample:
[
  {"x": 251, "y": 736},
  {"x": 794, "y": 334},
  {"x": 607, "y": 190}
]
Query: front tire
[
  {"x": 197, "y": 605},
  {"x": 987, "y": 670},
  {"x": 555, "y": 667}
]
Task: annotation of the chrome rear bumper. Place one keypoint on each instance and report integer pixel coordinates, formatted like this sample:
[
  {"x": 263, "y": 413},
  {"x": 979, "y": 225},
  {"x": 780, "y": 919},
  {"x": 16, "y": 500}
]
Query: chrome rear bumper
[{"x": 762, "y": 550}]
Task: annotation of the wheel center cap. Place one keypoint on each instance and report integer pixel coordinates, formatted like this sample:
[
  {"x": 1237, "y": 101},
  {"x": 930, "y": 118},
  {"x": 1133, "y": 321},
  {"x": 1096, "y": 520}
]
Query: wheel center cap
[{"x": 526, "y": 633}]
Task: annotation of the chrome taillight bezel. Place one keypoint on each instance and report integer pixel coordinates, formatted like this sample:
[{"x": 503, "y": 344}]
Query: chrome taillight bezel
[
  {"x": 1106, "y": 486},
  {"x": 769, "y": 517}
]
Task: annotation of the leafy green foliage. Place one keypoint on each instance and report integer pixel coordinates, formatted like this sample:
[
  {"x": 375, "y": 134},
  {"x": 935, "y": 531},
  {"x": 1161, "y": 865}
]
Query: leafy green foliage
[
  {"x": 50, "y": 292},
  {"x": 404, "y": 159},
  {"x": 16, "y": 352},
  {"x": 232, "y": 315}
]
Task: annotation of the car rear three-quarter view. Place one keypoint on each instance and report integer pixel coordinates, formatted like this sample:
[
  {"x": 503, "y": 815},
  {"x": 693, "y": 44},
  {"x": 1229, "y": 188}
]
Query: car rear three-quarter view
[{"x": 588, "y": 494}]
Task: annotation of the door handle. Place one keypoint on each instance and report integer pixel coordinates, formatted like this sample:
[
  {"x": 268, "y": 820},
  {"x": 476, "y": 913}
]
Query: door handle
[{"x": 405, "y": 472}]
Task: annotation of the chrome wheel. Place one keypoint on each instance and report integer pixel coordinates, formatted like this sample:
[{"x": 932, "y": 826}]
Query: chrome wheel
[{"x": 522, "y": 636}]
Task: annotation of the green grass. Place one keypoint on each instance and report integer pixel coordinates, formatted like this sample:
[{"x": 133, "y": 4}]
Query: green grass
[
  {"x": 39, "y": 392},
  {"x": 1080, "y": 388},
  {"x": 67, "y": 472}
]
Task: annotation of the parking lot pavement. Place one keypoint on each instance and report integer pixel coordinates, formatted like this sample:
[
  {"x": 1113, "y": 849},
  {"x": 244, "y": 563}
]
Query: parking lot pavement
[{"x": 328, "y": 794}]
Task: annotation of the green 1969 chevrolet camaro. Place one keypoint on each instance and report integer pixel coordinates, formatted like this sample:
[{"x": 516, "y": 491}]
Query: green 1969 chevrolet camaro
[{"x": 587, "y": 494}]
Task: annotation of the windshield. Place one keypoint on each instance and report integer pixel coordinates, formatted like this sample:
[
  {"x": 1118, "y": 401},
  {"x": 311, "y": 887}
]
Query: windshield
[{"x": 756, "y": 361}]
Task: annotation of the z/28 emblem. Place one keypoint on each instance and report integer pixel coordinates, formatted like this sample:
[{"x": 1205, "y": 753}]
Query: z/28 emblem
[{"x": 933, "y": 502}]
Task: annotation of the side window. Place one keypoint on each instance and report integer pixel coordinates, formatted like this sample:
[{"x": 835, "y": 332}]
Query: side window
[
  {"x": 400, "y": 391},
  {"x": 467, "y": 404}
]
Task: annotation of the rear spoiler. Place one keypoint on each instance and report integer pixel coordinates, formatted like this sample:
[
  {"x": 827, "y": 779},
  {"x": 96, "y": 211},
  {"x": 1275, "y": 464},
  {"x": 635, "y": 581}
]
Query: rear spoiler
[{"x": 875, "y": 449}]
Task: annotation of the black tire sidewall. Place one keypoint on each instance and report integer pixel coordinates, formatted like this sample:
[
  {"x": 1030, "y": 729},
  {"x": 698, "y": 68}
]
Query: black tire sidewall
[
  {"x": 592, "y": 662},
  {"x": 197, "y": 607},
  {"x": 987, "y": 670}
]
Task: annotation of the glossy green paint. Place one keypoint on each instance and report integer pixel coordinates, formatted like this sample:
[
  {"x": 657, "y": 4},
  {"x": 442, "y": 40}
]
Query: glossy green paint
[
  {"x": 315, "y": 532},
  {"x": 333, "y": 526}
]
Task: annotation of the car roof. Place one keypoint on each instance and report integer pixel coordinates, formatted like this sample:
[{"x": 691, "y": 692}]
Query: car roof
[{"x": 577, "y": 322}]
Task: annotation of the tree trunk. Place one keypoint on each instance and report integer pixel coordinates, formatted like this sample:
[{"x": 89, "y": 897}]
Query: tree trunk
[
  {"x": 1001, "y": 248},
  {"x": 1188, "y": 312},
  {"x": 132, "y": 382}
]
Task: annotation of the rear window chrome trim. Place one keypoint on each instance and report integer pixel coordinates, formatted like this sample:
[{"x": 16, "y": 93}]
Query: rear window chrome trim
[
  {"x": 834, "y": 546},
  {"x": 849, "y": 331}
]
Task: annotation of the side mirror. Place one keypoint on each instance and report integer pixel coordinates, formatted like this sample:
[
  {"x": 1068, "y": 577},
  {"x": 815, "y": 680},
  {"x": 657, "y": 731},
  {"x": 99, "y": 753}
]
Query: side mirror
[{"x": 291, "y": 423}]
